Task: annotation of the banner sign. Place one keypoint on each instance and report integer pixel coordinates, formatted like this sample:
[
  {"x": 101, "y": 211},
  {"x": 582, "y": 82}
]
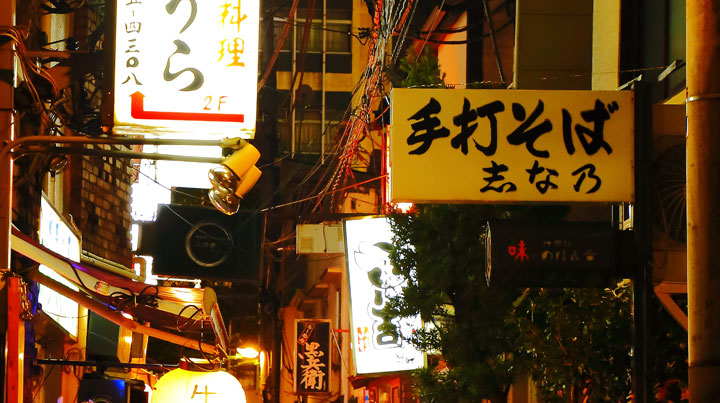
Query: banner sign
[
  {"x": 564, "y": 254},
  {"x": 372, "y": 283},
  {"x": 488, "y": 146},
  {"x": 186, "y": 66},
  {"x": 56, "y": 235},
  {"x": 312, "y": 356}
]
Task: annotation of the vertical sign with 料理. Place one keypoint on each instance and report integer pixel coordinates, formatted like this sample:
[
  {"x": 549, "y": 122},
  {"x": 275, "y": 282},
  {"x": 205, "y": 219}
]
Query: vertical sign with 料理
[
  {"x": 186, "y": 66},
  {"x": 312, "y": 356}
]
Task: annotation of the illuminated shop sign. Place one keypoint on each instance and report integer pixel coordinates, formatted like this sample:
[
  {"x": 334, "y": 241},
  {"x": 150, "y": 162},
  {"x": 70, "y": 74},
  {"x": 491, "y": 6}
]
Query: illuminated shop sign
[
  {"x": 312, "y": 356},
  {"x": 186, "y": 66},
  {"x": 452, "y": 146},
  {"x": 57, "y": 236},
  {"x": 372, "y": 282},
  {"x": 564, "y": 254}
]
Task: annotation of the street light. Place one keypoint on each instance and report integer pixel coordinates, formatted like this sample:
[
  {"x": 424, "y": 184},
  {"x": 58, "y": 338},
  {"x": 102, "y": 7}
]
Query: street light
[
  {"x": 247, "y": 352},
  {"x": 234, "y": 178}
]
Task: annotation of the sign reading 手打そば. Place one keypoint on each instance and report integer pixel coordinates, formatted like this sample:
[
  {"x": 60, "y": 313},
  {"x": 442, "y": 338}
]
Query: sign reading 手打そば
[{"x": 453, "y": 146}]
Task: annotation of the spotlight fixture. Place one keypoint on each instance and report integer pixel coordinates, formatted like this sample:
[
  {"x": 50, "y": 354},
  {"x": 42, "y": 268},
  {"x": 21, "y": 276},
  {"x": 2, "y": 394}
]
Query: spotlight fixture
[{"x": 234, "y": 178}]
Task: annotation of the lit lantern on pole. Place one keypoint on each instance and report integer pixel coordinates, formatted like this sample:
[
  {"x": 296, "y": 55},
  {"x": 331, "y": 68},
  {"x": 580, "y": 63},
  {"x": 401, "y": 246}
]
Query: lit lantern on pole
[{"x": 180, "y": 386}]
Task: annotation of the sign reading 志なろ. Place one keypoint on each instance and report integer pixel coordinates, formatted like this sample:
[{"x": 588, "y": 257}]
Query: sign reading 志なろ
[
  {"x": 312, "y": 356},
  {"x": 186, "y": 66},
  {"x": 511, "y": 146},
  {"x": 372, "y": 284}
]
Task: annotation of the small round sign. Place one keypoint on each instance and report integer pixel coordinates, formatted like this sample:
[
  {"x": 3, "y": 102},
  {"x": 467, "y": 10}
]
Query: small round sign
[{"x": 208, "y": 244}]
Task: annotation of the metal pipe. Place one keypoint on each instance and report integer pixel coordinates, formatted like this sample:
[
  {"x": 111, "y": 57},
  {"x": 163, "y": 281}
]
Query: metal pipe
[
  {"x": 87, "y": 257},
  {"x": 117, "y": 318},
  {"x": 489, "y": 17},
  {"x": 8, "y": 146},
  {"x": 113, "y": 153},
  {"x": 103, "y": 364},
  {"x": 703, "y": 192}
]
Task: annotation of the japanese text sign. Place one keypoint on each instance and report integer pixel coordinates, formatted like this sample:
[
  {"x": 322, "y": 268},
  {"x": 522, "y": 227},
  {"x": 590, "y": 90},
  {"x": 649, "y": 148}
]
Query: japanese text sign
[
  {"x": 57, "y": 235},
  {"x": 564, "y": 254},
  {"x": 186, "y": 66},
  {"x": 511, "y": 146},
  {"x": 312, "y": 356},
  {"x": 372, "y": 283}
]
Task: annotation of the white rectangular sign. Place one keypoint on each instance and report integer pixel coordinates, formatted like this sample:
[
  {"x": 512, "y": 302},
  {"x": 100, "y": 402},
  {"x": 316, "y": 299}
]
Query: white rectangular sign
[
  {"x": 57, "y": 236},
  {"x": 186, "y": 66},
  {"x": 372, "y": 282}
]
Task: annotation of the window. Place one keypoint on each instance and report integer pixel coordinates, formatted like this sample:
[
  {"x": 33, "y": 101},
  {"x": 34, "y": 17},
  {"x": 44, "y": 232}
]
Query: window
[
  {"x": 334, "y": 30},
  {"x": 311, "y": 132}
]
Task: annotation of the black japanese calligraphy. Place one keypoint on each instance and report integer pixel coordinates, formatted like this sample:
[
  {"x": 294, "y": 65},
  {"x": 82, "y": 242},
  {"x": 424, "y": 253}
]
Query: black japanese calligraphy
[
  {"x": 589, "y": 171},
  {"x": 133, "y": 27},
  {"x": 597, "y": 117},
  {"x": 198, "y": 79},
  {"x": 489, "y": 111},
  {"x": 524, "y": 134},
  {"x": 137, "y": 82},
  {"x": 172, "y": 6},
  {"x": 132, "y": 46},
  {"x": 466, "y": 130},
  {"x": 424, "y": 131},
  {"x": 495, "y": 176},
  {"x": 544, "y": 184}
]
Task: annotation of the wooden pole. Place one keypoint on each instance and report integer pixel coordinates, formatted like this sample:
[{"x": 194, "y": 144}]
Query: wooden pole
[
  {"x": 703, "y": 195},
  {"x": 12, "y": 392}
]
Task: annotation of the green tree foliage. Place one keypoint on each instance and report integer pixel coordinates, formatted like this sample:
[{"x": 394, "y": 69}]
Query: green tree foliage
[
  {"x": 421, "y": 71},
  {"x": 440, "y": 252},
  {"x": 575, "y": 343},
  {"x": 579, "y": 341}
]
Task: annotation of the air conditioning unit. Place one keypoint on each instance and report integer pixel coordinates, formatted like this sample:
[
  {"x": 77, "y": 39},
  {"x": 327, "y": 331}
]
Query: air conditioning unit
[
  {"x": 669, "y": 208},
  {"x": 320, "y": 238}
]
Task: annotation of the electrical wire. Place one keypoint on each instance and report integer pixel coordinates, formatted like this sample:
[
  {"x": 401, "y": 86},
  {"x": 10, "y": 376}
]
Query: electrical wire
[
  {"x": 123, "y": 302},
  {"x": 52, "y": 367},
  {"x": 278, "y": 46}
]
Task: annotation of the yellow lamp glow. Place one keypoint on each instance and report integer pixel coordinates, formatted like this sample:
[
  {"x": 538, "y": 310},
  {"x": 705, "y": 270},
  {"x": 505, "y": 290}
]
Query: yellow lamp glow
[
  {"x": 247, "y": 352},
  {"x": 233, "y": 178},
  {"x": 181, "y": 386}
]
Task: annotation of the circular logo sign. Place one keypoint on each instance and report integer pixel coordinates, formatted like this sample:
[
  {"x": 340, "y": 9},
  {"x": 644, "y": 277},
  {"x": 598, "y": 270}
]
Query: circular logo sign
[{"x": 208, "y": 244}]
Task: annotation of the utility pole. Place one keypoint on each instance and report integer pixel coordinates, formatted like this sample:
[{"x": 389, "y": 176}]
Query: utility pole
[
  {"x": 11, "y": 391},
  {"x": 703, "y": 194}
]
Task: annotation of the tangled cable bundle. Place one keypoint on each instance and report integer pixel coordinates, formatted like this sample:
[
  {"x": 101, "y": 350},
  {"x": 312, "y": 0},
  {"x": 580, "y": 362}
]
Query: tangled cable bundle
[{"x": 122, "y": 302}]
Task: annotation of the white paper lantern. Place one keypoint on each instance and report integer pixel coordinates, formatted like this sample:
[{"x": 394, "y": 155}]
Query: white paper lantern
[{"x": 180, "y": 386}]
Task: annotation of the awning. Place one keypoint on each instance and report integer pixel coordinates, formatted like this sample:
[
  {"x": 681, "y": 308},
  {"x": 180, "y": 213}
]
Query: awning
[{"x": 175, "y": 314}]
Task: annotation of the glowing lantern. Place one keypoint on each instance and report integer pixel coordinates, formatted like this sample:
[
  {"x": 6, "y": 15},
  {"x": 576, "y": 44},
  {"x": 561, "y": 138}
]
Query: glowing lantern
[{"x": 180, "y": 386}]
